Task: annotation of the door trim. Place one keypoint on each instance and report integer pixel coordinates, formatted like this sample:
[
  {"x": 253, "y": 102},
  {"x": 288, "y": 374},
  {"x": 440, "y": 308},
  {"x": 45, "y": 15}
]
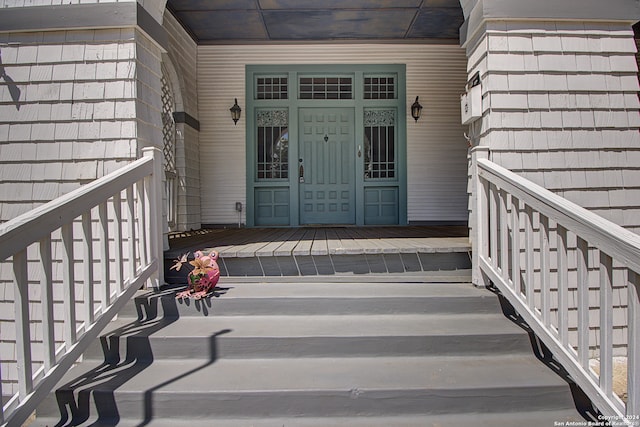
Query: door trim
[{"x": 262, "y": 195}]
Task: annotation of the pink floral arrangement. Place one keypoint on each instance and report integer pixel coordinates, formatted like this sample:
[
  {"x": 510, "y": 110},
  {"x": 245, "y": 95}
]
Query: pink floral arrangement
[{"x": 203, "y": 277}]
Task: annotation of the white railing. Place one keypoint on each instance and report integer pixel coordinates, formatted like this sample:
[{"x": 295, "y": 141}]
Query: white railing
[
  {"x": 128, "y": 256},
  {"x": 561, "y": 266}
]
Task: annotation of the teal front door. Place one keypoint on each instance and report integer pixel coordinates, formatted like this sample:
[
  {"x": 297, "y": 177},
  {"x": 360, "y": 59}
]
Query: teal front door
[
  {"x": 326, "y": 166},
  {"x": 326, "y": 145}
]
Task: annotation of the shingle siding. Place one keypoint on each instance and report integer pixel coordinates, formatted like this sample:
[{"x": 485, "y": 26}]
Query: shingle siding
[
  {"x": 560, "y": 107},
  {"x": 74, "y": 106},
  {"x": 62, "y": 106},
  {"x": 562, "y": 99}
]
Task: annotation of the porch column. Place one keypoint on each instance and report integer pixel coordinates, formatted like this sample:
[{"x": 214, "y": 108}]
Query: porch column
[
  {"x": 559, "y": 96},
  {"x": 77, "y": 102}
]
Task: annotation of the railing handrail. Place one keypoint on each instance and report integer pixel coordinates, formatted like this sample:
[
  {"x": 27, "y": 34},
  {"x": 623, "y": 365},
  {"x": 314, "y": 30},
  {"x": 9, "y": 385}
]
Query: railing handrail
[
  {"x": 140, "y": 181},
  {"x": 505, "y": 207},
  {"x": 30, "y": 227},
  {"x": 620, "y": 243}
]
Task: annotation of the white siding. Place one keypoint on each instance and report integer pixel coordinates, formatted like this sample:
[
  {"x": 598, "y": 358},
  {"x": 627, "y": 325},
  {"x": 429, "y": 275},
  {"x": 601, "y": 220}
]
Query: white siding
[{"x": 436, "y": 147}]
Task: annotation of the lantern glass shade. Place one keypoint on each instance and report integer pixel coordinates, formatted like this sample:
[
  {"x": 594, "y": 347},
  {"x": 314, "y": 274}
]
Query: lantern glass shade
[
  {"x": 235, "y": 111},
  {"x": 416, "y": 110}
]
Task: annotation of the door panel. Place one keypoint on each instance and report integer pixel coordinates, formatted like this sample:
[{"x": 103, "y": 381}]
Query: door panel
[{"x": 326, "y": 169}]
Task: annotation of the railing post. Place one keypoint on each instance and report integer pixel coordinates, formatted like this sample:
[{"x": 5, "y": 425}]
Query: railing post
[
  {"x": 633, "y": 339},
  {"x": 479, "y": 209},
  {"x": 154, "y": 212}
]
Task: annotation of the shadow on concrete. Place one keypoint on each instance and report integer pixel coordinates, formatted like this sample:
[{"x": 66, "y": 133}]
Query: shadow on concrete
[
  {"x": 583, "y": 404},
  {"x": 101, "y": 382}
]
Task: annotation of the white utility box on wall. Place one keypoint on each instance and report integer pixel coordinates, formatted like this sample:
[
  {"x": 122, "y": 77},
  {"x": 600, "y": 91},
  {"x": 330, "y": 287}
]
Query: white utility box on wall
[{"x": 471, "y": 104}]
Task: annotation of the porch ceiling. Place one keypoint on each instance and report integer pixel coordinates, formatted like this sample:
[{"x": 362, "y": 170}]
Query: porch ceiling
[{"x": 235, "y": 21}]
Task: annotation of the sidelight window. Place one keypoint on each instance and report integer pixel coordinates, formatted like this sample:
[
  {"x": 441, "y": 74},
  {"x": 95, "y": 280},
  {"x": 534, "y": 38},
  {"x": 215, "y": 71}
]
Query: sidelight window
[
  {"x": 379, "y": 144},
  {"x": 272, "y": 144}
]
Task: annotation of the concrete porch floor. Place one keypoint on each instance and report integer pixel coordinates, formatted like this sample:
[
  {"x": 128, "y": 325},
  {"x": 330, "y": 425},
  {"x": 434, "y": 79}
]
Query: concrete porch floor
[{"x": 326, "y": 250}]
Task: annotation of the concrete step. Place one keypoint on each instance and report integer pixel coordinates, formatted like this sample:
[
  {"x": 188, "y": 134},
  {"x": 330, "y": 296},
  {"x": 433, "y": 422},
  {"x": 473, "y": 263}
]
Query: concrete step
[
  {"x": 441, "y": 260},
  {"x": 234, "y": 298},
  {"x": 300, "y": 352},
  {"x": 507, "y": 419},
  {"x": 312, "y": 336},
  {"x": 312, "y": 387}
]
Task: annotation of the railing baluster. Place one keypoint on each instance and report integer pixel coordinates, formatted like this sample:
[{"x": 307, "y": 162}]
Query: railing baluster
[
  {"x": 483, "y": 230},
  {"x": 1, "y": 394},
  {"x": 117, "y": 237},
  {"x": 105, "y": 296},
  {"x": 46, "y": 298},
  {"x": 633, "y": 338},
  {"x": 563, "y": 285},
  {"x": 504, "y": 236},
  {"x": 529, "y": 254},
  {"x": 545, "y": 272},
  {"x": 582, "y": 259},
  {"x": 493, "y": 224},
  {"x": 131, "y": 221},
  {"x": 606, "y": 323},
  {"x": 69, "y": 286},
  {"x": 23, "y": 333},
  {"x": 142, "y": 223},
  {"x": 515, "y": 243},
  {"x": 87, "y": 250}
]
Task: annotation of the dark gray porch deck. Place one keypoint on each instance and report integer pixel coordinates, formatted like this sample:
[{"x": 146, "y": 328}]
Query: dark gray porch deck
[{"x": 327, "y": 251}]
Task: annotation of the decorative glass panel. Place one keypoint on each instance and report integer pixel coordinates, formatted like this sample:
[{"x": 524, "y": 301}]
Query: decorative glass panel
[
  {"x": 326, "y": 88},
  {"x": 379, "y": 87},
  {"x": 273, "y": 144},
  {"x": 379, "y": 144},
  {"x": 271, "y": 88}
]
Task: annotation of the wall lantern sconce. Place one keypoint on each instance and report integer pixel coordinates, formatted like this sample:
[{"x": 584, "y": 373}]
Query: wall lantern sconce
[
  {"x": 416, "y": 110},
  {"x": 235, "y": 112}
]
